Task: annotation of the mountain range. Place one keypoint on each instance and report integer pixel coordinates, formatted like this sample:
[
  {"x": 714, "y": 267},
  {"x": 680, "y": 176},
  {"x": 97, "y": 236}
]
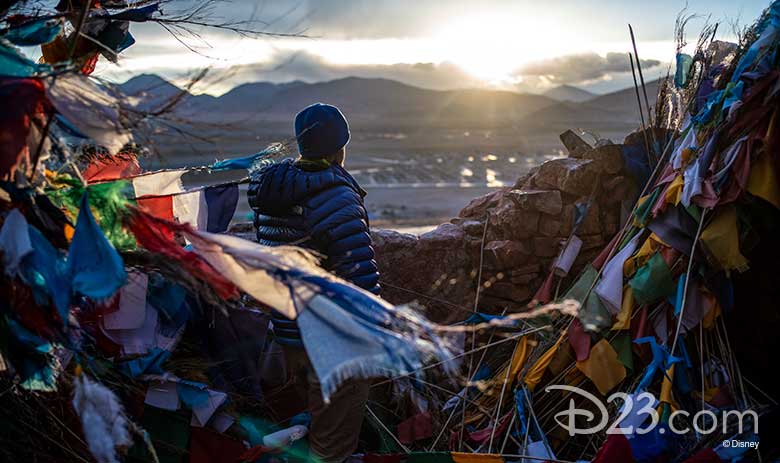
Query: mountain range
[{"x": 380, "y": 108}]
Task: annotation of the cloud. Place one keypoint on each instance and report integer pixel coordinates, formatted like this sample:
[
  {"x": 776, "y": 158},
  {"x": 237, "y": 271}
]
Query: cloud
[
  {"x": 286, "y": 66},
  {"x": 580, "y": 68}
]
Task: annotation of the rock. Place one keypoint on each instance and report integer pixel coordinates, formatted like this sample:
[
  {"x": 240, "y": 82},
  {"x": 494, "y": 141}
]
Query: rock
[
  {"x": 592, "y": 241},
  {"x": 546, "y": 201},
  {"x": 592, "y": 221},
  {"x": 509, "y": 291},
  {"x": 524, "y": 270},
  {"x": 574, "y": 144},
  {"x": 478, "y": 207},
  {"x": 610, "y": 221},
  {"x": 435, "y": 267},
  {"x": 473, "y": 227},
  {"x": 637, "y": 137},
  {"x": 550, "y": 225},
  {"x": 573, "y": 176},
  {"x": 508, "y": 222},
  {"x": 608, "y": 158},
  {"x": 500, "y": 255},
  {"x": 392, "y": 240},
  {"x": 523, "y": 279},
  {"x": 443, "y": 237},
  {"x": 618, "y": 188},
  {"x": 523, "y": 179},
  {"x": 546, "y": 246}
]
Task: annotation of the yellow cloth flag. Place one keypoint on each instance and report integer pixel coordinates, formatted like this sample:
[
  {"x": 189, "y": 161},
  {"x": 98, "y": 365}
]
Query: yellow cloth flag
[
  {"x": 674, "y": 192},
  {"x": 623, "y": 321},
  {"x": 518, "y": 360},
  {"x": 651, "y": 245},
  {"x": 603, "y": 367},
  {"x": 460, "y": 457},
  {"x": 534, "y": 374},
  {"x": 666, "y": 390},
  {"x": 762, "y": 181},
  {"x": 721, "y": 240}
]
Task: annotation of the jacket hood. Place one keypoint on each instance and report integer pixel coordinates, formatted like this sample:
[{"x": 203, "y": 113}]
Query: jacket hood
[{"x": 283, "y": 184}]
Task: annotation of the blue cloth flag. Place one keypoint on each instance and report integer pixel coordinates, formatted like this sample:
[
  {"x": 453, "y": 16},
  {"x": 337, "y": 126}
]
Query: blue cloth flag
[
  {"x": 96, "y": 268},
  {"x": 222, "y": 201}
]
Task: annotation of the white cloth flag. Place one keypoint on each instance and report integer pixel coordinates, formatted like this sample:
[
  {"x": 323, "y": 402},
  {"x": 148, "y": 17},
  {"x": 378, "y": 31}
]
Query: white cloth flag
[
  {"x": 191, "y": 208},
  {"x": 14, "y": 241},
  {"x": 610, "y": 288},
  {"x": 246, "y": 264},
  {"x": 132, "y": 304},
  {"x": 159, "y": 183}
]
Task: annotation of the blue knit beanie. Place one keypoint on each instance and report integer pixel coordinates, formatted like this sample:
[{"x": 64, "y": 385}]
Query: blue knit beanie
[{"x": 321, "y": 130}]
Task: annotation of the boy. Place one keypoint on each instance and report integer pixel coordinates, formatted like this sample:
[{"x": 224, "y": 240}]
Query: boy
[{"x": 315, "y": 203}]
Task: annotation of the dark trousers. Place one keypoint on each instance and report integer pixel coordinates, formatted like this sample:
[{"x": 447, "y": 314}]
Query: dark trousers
[{"x": 335, "y": 427}]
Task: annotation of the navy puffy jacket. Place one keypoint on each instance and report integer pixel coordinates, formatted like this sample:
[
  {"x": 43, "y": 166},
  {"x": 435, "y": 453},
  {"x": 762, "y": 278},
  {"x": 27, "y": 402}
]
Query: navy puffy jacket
[{"x": 321, "y": 210}]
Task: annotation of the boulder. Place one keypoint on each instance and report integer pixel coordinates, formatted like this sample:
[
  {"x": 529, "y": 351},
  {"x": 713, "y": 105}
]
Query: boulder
[
  {"x": 574, "y": 144},
  {"x": 508, "y": 291},
  {"x": 501, "y": 255},
  {"x": 546, "y": 246},
  {"x": 445, "y": 236},
  {"x": 392, "y": 240},
  {"x": 618, "y": 189},
  {"x": 478, "y": 207},
  {"x": 473, "y": 227},
  {"x": 531, "y": 268},
  {"x": 592, "y": 221},
  {"x": 550, "y": 225},
  {"x": 523, "y": 279},
  {"x": 573, "y": 176},
  {"x": 546, "y": 201},
  {"x": 608, "y": 158},
  {"x": 509, "y": 222}
]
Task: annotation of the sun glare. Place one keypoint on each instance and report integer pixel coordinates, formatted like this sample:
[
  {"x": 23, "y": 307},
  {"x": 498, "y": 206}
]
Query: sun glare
[{"x": 487, "y": 46}]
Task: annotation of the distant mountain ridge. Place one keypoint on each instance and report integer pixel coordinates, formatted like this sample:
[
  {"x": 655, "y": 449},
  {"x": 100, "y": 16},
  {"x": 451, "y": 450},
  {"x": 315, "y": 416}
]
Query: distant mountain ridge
[
  {"x": 569, "y": 93},
  {"x": 374, "y": 100}
]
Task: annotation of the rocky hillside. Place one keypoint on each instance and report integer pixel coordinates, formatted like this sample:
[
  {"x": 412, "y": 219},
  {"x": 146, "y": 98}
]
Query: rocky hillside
[{"x": 523, "y": 228}]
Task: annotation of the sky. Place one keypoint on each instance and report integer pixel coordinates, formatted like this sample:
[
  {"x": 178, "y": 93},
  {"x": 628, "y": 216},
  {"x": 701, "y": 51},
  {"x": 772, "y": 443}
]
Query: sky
[{"x": 521, "y": 45}]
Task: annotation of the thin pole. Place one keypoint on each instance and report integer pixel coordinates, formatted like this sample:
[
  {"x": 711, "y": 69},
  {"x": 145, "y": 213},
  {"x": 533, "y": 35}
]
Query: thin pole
[
  {"x": 639, "y": 103},
  {"x": 641, "y": 76},
  {"x": 687, "y": 280},
  {"x": 373, "y": 415},
  {"x": 474, "y": 336},
  {"x": 508, "y": 432},
  {"x": 501, "y": 398}
]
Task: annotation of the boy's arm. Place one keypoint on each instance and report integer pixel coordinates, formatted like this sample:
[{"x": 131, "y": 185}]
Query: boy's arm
[{"x": 345, "y": 238}]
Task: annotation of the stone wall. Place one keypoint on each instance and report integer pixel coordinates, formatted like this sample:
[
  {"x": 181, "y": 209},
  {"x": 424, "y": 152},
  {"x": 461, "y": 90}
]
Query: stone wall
[{"x": 523, "y": 227}]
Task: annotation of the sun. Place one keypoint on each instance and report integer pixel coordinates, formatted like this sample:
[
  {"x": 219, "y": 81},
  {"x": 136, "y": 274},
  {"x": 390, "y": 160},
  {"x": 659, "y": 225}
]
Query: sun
[{"x": 487, "y": 46}]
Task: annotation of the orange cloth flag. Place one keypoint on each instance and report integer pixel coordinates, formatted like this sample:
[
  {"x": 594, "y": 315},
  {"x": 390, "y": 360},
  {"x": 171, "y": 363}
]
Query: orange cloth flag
[
  {"x": 459, "y": 457},
  {"x": 603, "y": 367}
]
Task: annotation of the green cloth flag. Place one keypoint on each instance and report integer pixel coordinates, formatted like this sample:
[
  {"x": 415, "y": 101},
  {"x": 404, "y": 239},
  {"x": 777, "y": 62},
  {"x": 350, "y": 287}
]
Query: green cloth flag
[
  {"x": 593, "y": 314},
  {"x": 653, "y": 281},
  {"x": 108, "y": 202},
  {"x": 621, "y": 342}
]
